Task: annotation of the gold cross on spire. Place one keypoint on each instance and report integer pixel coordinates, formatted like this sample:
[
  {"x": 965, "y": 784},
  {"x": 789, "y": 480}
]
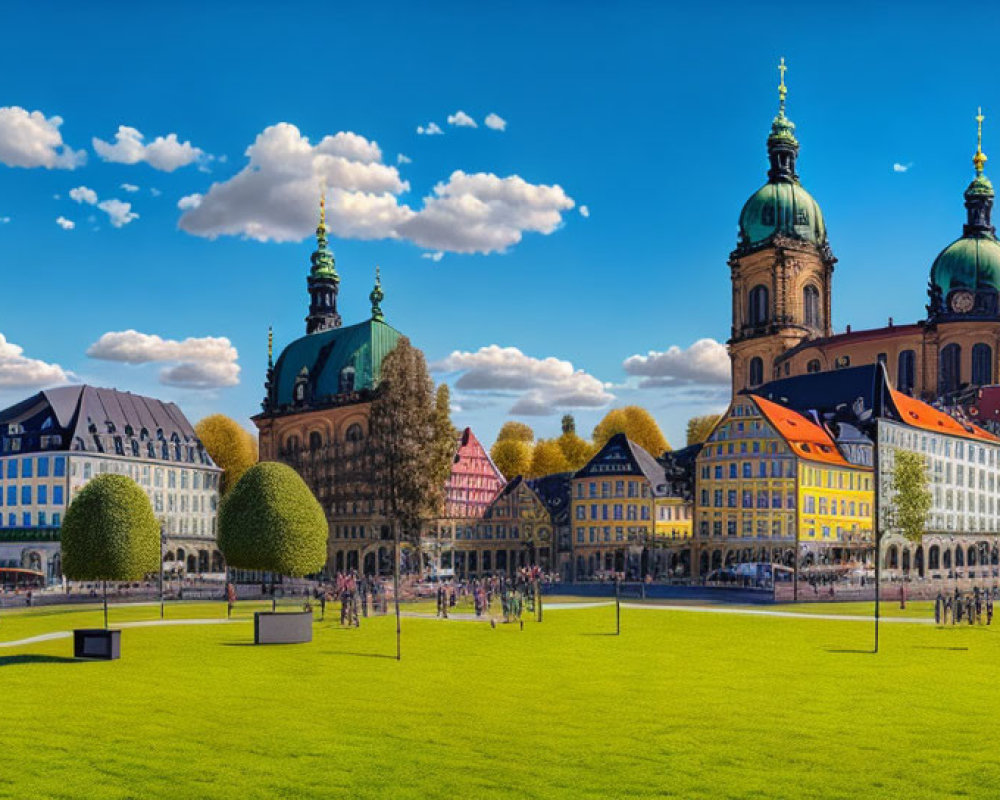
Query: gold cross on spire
[
  {"x": 782, "y": 89},
  {"x": 322, "y": 203},
  {"x": 979, "y": 159}
]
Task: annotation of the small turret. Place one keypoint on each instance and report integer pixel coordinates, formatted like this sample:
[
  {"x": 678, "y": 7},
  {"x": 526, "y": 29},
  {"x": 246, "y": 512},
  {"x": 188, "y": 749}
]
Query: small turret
[{"x": 324, "y": 282}]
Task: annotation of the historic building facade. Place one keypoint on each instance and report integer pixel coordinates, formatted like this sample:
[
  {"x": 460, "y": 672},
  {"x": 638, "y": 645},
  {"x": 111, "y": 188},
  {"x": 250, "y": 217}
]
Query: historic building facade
[
  {"x": 316, "y": 410},
  {"x": 782, "y": 271},
  {"x": 772, "y": 482},
  {"x": 53, "y": 443}
]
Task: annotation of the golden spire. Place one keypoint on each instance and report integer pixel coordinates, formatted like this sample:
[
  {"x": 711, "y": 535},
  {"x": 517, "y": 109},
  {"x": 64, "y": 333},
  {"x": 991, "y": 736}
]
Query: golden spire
[
  {"x": 979, "y": 159},
  {"x": 782, "y": 89},
  {"x": 322, "y": 204}
]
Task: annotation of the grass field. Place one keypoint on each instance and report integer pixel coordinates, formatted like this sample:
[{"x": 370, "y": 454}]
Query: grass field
[{"x": 680, "y": 705}]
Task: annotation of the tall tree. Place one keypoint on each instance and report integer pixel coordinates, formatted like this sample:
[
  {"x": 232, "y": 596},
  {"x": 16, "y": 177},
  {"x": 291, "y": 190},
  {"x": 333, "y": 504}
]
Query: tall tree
[
  {"x": 230, "y": 445},
  {"x": 568, "y": 424},
  {"x": 546, "y": 459},
  {"x": 518, "y": 431},
  {"x": 402, "y": 443},
  {"x": 512, "y": 457},
  {"x": 637, "y": 424},
  {"x": 911, "y": 496},
  {"x": 576, "y": 451},
  {"x": 445, "y": 442},
  {"x": 699, "y": 428}
]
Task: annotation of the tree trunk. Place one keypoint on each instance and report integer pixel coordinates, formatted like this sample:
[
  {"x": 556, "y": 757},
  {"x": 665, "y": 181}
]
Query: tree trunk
[
  {"x": 395, "y": 583},
  {"x": 104, "y": 587}
]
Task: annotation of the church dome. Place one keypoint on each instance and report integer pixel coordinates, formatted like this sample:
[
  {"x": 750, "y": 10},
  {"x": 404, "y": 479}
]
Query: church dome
[
  {"x": 972, "y": 262},
  {"x": 781, "y": 208}
]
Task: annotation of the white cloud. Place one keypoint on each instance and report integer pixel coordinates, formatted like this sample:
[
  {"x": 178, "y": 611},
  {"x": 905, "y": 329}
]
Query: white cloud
[
  {"x": 130, "y": 187},
  {"x": 431, "y": 129},
  {"x": 189, "y": 201},
  {"x": 275, "y": 197},
  {"x": 435, "y": 256},
  {"x": 897, "y": 167},
  {"x": 496, "y": 122},
  {"x": 704, "y": 362},
  {"x": 584, "y": 211},
  {"x": 203, "y": 363},
  {"x": 155, "y": 192},
  {"x": 401, "y": 159},
  {"x": 119, "y": 213},
  {"x": 29, "y": 139},
  {"x": 65, "y": 224},
  {"x": 4, "y": 220},
  {"x": 541, "y": 386},
  {"x": 461, "y": 120},
  {"x": 165, "y": 153},
  {"x": 17, "y": 371},
  {"x": 83, "y": 194}
]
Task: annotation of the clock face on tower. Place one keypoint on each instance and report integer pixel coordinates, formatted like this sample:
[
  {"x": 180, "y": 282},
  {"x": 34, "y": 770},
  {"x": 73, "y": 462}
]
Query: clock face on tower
[{"x": 962, "y": 302}]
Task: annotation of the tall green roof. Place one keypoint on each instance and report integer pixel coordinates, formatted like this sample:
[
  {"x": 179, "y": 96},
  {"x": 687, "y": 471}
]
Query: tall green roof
[
  {"x": 779, "y": 207},
  {"x": 325, "y": 361}
]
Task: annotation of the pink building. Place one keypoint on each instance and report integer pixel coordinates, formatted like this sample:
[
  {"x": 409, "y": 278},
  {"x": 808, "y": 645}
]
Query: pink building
[{"x": 474, "y": 481}]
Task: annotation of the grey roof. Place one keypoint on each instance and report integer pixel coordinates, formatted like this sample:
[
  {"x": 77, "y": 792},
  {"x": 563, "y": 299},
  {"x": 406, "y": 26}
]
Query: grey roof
[
  {"x": 89, "y": 419},
  {"x": 640, "y": 462},
  {"x": 554, "y": 492}
]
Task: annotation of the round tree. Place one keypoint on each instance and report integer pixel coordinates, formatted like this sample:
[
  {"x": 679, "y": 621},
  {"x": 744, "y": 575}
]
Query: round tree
[
  {"x": 270, "y": 521},
  {"x": 110, "y": 533}
]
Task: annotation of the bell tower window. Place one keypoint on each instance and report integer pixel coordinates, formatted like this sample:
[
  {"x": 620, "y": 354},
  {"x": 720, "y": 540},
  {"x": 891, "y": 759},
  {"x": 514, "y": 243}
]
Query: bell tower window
[
  {"x": 756, "y": 371},
  {"x": 982, "y": 364},
  {"x": 906, "y": 371},
  {"x": 950, "y": 369},
  {"x": 758, "y": 311},
  {"x": 810, "y": 306}
]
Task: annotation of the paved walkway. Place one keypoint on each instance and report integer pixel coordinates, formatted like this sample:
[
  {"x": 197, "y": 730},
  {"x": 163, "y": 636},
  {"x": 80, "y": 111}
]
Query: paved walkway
[{"x": 153, "y": 623}]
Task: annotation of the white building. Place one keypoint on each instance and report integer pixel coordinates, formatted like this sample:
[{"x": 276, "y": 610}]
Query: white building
[{"x": 54, "y": 442}]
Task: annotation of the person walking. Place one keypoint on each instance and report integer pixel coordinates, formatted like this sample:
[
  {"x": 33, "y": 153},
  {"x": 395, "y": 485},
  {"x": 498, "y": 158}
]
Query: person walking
[
  {"x": 938, "y": 608},
  {"x": 989, "y": 608}
]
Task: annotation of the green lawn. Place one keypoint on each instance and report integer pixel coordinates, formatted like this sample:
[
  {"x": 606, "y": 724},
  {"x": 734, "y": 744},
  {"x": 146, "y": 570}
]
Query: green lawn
[{"x": 682, "y": 705}]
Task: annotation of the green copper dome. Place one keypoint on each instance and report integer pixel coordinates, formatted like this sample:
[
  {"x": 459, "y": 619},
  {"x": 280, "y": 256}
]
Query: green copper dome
[
  {"x": 785, "y": 208},
  {"x": 971, "y": 262}
]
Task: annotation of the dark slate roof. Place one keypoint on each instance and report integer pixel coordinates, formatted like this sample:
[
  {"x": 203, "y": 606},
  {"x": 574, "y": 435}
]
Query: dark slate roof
[
  {"x": 89, "y": 418},
  {"x": 632, "y": 460},
  {"x": 843, "y": 394},
  {"x": 554, "y": 492}
]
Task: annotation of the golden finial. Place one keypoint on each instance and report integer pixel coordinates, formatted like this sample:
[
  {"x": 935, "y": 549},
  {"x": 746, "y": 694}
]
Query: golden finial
[
  {"x": 378, "y": 275},
  {"x": 322, "y": 203},
  {"x": 782, "y": 89},
  {"x": 979, "y": 159},
  {"x": 270, "y": 346}
]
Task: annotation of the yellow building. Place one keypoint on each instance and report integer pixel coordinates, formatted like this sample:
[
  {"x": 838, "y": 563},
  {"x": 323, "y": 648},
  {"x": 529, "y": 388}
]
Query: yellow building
[{"x": 771, "y": 483}]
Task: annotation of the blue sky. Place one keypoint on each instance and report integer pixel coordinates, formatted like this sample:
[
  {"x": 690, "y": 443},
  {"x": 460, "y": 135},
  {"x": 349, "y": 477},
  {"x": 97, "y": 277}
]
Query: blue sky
[{"x": 652, "y": 116}]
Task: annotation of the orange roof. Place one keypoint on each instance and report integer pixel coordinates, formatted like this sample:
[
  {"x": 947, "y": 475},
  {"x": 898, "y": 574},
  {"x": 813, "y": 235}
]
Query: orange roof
[
  {"x": 920, "y": 415},
  {"x": 807, "y": 439}
]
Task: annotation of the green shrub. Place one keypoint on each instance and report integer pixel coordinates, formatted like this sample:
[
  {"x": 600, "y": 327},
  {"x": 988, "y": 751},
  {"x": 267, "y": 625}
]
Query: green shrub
[
  {"x": 270, "y": 521},
  {"x": 109, "y": 532}
]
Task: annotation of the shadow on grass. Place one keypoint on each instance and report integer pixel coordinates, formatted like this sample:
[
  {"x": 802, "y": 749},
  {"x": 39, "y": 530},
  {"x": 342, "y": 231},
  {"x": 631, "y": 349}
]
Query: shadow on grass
[
  {"x": 358, "y": 655},
  {"x": 599, "y": 633},
  {"x": 936, "y": 647},
  {"x": 27, "y": 658},
  {"x": 845, "y": 650}
]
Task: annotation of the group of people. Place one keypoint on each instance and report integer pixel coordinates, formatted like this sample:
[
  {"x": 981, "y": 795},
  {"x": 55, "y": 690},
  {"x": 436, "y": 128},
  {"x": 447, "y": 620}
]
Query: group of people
[
  {"x": 357, "y": 593},
  {"x": 973, "y": 608}
]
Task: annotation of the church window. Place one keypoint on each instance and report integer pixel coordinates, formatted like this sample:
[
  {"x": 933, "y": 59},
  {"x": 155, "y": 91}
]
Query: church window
[
  {"x": 982, "y": 364},
  {"x": 810, "y": 306},
  {"x": 355, "y": 433},
  {"x": 906, "y": 371},
  {"x": 813, "y": 365},
  {"x": 759, "y": 307},
  {"x": 949, "y": 370},
  {"x": 315, "y": 440},
  {"x": 756, "y": 371},
  {"x": 292, "y": 443}
]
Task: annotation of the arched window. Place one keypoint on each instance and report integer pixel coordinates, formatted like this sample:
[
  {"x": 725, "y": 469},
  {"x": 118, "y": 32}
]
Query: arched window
[
  {"x": 813, "y": 366},
  {"x": 982, "y": 364},
  {"x": 950, "y": 369},
  {"x": 906, "y": 370},
  {"x": 810, "y": 305},
  {"x": 756, "y": 371},
  {"x": 292, "y": 443},
  {"x": 346, "y": 380},
  {"x": 759, "y": 307},
  {"x": 315, "y": 440},
  {"x": 355, "y": 433}
]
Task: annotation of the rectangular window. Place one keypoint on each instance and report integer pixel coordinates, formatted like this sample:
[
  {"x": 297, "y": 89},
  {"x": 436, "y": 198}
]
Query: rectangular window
[
  {"x": 57, "y": 495},
  {"x": 42, "y": 519},
  {"x": 730, "y": 527},
  {"x": 717, "y": 528},
  {"x": 731, "y": 498},
  {"x": 775, "y": 499},
  {"x": 26, "y": 519},
  {"x": 581, "y": 512},
  {"x": 12, "y": 468},
  {"x": 25, "y": 495},
  {"x": 592, "y": 488},
  {"x": 12, "y": 495},
  {"x": 747, "y": 469},
  {"x": 732, "y": 470},
  {"x": 747, "y": 498},
  {"x": 717, "y": 498},
  {"x": 26, "y": 470},
  {"x": 43, "y": 495},
  {"x": 43, "y": 467},
  {"x": 619, "y": 488},
  {"x": 59, "y": 466},
  {"x": 718, "y": 472}
]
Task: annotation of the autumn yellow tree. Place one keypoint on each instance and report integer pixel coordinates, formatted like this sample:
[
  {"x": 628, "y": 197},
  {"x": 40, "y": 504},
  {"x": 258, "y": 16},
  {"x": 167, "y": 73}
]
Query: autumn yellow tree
[
  {"x": 637, "y": 424},
  {"x": 576, "y": 450},
  {"x": 230, "y": 445},
  {"x": 511, "y": 456},
  {"x": 546, "y": 459},
  {"x": 699, "y": 428},
  {"x": 517, "y": 431}
]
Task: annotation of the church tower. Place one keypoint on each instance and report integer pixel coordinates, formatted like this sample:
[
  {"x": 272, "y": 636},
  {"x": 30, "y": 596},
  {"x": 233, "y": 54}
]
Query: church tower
[
  {"x": 324, "y": 282},
  {"x": 782, "y": 266}
]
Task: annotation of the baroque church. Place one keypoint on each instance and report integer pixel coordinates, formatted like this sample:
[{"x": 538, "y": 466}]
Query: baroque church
[
  {"x": 782, "y": 271},
  {"x": 316, "y": 411}
]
